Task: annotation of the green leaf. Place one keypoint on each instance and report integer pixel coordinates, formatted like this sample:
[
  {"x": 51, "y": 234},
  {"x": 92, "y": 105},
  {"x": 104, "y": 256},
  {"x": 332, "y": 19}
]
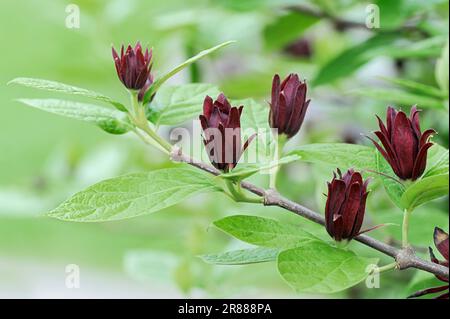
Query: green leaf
[
  {"x": 441, "y": 72},
  {"x": 110, "y": 120},
  {"x": 417, "y": 87},
  {"x": 345, "y": 63},
  {"x": 255, "y": 119},
  {"x": 244, "y": 170},
  {"x": 255, "y": 115},
  {"x": 430, "y": 47},
  {"x": 384, "y": 44},
  {"x": 338, "y": 155},
  {"x": 242, "y": 256},
  {"x": 173, "y": 105},
  {"x": 392, "y": 13},
  {"x": 317, "y": 267},
  {"x": 263, "y": 231},
  {"x": 390, "y": 181},
  {"x": 65, "y": 88},
  {"x": 157, "y": 84},
  {"x": 425, "y": 190},
  {"x": 287, "y": 28},
  {"x": 134, "y": 195},
  {"x": 400, "y": 97},
  {"x": 437, "y": 161}
]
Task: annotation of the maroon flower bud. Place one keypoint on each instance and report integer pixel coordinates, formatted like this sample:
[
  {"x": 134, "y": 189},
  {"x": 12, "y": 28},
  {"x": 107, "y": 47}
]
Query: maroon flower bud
[
  {"x": 133, "y": 67},
  {"x": 441, "y": 243},
  {"x": 289, "y": 105},
  {"x": 405, "y": 146},
  {"x": 346, "y": 204},
  {"x": 221, "y": 124},
  {"x": 300, "y": 48}
]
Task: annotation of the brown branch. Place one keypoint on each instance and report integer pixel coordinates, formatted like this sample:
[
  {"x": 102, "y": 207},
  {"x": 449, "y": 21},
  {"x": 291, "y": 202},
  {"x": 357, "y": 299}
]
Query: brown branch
[
  {"x": 338, "y": 22},
  {"x": 343, "y": 24},
  {"x": 405, "y": 258}
]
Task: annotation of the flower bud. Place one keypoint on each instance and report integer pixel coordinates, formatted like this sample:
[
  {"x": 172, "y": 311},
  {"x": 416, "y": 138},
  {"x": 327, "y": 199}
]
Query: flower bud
[
  {"x": 346, "y": 203},
  {"x": 288, "y": 105},
  {"x": 221, "y": 126},
  {"x": 441, "y": 242},
  {"x": 405, "y": 147},
  {"x": 133, "y": 67}
]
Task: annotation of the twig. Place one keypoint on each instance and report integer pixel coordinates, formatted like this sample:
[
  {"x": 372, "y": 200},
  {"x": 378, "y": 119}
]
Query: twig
[
  {"x": 343, "y": 24},
  {"x": 405, "y": 258}
]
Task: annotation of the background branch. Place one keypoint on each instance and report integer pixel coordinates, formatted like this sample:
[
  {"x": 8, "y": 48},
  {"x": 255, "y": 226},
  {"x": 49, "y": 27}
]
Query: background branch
[
  {"x": 343, "y": 24},
  {"x": 405, "y": 258}
]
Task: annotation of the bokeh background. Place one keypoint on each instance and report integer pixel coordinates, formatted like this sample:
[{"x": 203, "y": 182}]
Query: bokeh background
[{"x": 44, "y": 158}]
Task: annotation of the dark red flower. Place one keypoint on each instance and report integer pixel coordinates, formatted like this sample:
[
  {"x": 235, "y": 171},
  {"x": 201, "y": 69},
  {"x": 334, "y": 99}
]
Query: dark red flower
[
  {"x": 441, "y": 243},
  {"x": 289, "y": 105},
  {"x": 221, "y": 124},
  {"x": 133, "y": 67},
  {"x": 405, "y": 146},
  {"x": 346, "y": 205}
]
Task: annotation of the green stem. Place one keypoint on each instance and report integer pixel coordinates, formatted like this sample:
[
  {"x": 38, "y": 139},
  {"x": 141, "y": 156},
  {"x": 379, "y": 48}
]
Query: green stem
[
  {"x": 239, "y": 196},
  {"x": 158, "y": 139},
  {"x": 405, "y": 228},
  {"x": 141, "y": 122},
  {"x": 387, "y": 267},
  {"x": 281, "y": 140}
]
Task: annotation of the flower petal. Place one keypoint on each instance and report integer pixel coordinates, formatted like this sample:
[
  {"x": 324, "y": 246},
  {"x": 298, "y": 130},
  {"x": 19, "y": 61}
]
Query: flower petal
[
  {"x": 404, "y": 143},
  {"x": 386, "y": 156},
  {"x": 428, "y": 291},
  {"x": 207, "y": 106},
  {"x": 426, "y": 136},
  {"x": 441, "y": 242},
  {"x": 390, "y": 118},
  {"x": 420, "y": 161},
  {"x": 336, "y": 196},
  {"x": 360, "y": 216},
  {"x": 349, "y": 210}
]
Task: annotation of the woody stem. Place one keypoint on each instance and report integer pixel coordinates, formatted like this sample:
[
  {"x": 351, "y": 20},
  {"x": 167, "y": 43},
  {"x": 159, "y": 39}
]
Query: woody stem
[{"x": 403, "y": 257}]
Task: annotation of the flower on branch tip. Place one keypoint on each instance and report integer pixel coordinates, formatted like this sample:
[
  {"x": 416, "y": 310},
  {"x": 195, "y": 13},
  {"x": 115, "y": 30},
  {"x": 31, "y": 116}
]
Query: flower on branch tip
[
  {"x": 288, "y": 105},
  {"x": 221, "y": 124},
  {"x": 441, "y": 242},
  {"x": 346, "y": 204},
  {"x": 404, "y": 147},
  {"x": 133, "y": 66}
]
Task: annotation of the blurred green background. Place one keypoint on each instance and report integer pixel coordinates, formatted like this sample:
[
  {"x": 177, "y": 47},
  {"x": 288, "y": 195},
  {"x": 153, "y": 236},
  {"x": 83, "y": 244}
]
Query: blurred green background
[{"x": 45, "y": 158}]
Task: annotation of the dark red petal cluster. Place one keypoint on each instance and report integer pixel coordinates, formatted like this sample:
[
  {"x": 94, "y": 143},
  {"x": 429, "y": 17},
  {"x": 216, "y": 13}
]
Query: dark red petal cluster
[
  {"x": 441, "y": 243},
  {"x": 288, "y": 105},
  {"x": 221, "y": 124},
  {"x": 133, "y": 67},
  {"x": 405, "y": 147},
  {"x": 346, "y": 205}
]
